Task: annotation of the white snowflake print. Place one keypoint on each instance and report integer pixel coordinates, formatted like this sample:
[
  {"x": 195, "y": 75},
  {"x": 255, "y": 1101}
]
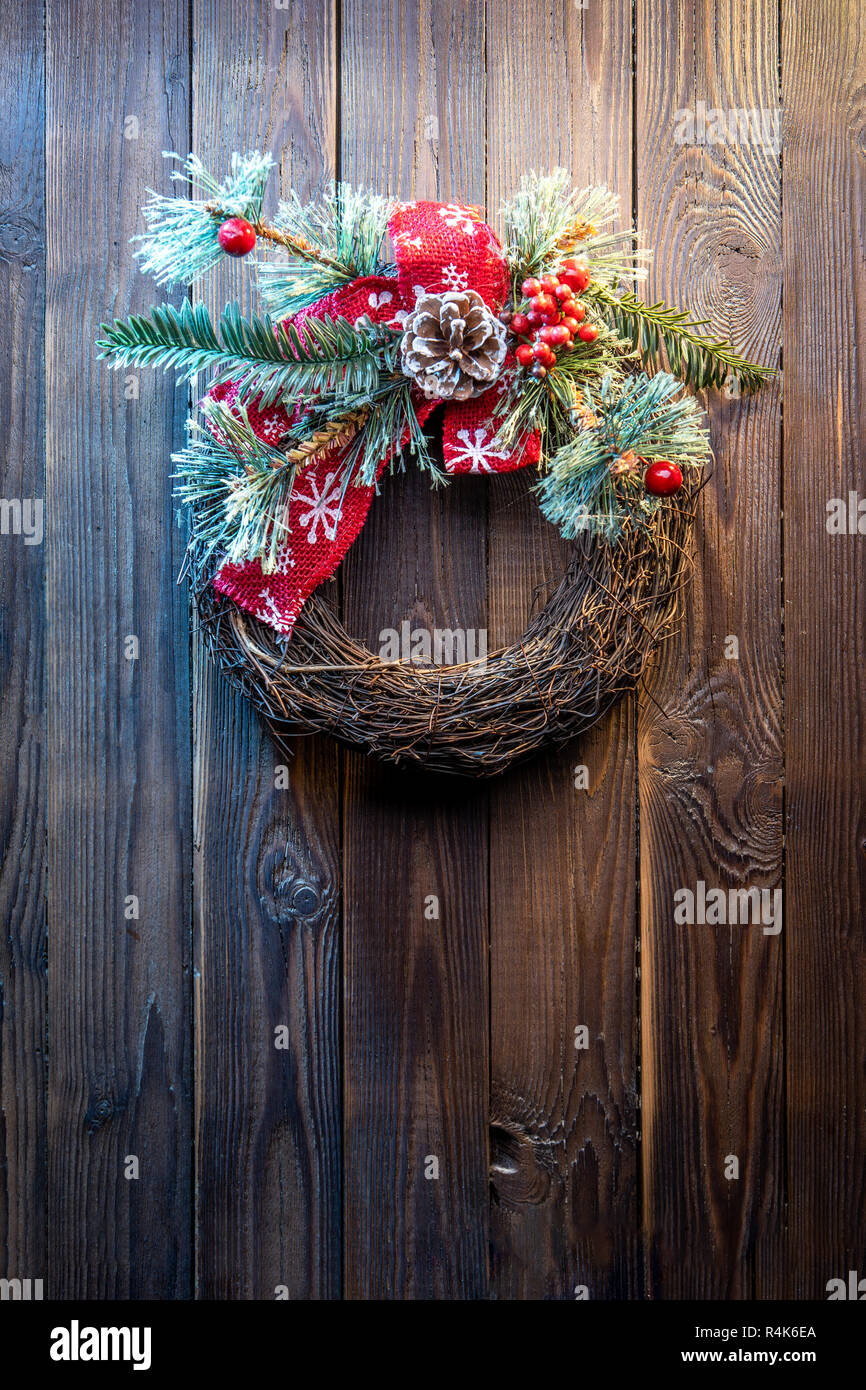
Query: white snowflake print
[
  {"x": 268, "y": 612},
  {"x": 454, "y": 279},
  {"x": 475, "y": 453},
  {"x": 272, "y": 427},
  {"x": 406, "y": 240},
  {"x": 324, "y": 506},
  {"x": 457, "y": 216},
  {"x": 376, "y": 301}
]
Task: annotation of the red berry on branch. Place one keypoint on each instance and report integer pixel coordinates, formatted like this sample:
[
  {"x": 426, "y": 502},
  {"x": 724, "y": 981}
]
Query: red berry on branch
[
  {"x": 524, "y": 354},
  {"x": 587, "y": 332},
  {"x": 519, "y": 324},
  {"x": 563, "y": 291},
  {"x": 556, "y": 335},
  {"x": 534, "y": 319},
  {"x": 571, "y": 323},
  {"x": 531, "y": 288},
  {"x": 581, "y": 274},
  {"x": 662, "y": 478},
  {"x": 237, "y": 236},
  {"x": 549, "y": 283},
  {"x": 544, "y": 354},
  {"x": 544, "y": 304},
  {"x": 539, "y": 371}
]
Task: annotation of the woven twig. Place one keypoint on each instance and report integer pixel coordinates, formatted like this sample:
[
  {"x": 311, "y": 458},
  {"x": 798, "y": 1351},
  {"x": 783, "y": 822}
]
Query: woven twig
[{"x": 588, "y": 645}]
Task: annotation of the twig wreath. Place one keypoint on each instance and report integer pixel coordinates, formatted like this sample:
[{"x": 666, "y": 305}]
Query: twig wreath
[{"x": 537, "y": 355}]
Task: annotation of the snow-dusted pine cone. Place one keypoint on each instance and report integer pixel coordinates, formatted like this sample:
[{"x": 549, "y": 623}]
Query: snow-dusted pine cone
[{"x": 453, "y": 346}]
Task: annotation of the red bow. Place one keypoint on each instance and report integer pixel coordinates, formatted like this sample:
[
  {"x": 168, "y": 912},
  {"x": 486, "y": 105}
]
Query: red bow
[{"x": 438, "y": 247}]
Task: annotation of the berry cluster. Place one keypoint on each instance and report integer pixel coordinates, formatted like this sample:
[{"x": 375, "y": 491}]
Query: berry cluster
[{"x": 553, "y": 318}]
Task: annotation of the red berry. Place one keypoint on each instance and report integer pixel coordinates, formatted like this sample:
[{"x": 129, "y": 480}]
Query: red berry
[
  {"x": 534, "y": 319},
  {"x": 519, "y": 324},
  {"x": 663, "y": 478},
  {"x": 581, "y": 273},
  {"x": 539, "y": 371},
  {"x": 237, "y": 236},
  {"x": 563, "y": 291},
  {"x": 587, "y": 332},
  {"x": 568, "y": 265},
  {"x": 531, "y": 288},
  {"x": 578, "y": 312},
  {"x": 557, "y": 335},
  {"x": 543, "y": 354},
  {"x": 549, "y": 283},
  {"x": 524, "y": 354},
  {"x": 544, "y": 304},
  {"x": 571, "y": 323}
]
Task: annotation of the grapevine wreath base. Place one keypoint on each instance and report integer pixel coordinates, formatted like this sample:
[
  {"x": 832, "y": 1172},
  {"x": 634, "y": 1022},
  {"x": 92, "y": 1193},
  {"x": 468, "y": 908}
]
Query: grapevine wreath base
[
  {"x": 587, "y": 646},
  {"x": 532, "y": 349}
]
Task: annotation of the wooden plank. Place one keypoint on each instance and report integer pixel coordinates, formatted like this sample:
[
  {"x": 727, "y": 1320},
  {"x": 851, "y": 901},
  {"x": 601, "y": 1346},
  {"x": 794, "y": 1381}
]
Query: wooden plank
[
  {"x": 415, "y": 986},
  {"x": 823, "y": 71},
  {"x": 22, "y": 599},
  {"x": 267, "y": 878},
  {"x": 709, "y": 728},
  {"x": 562, "y": 932},
  {"x": 118, "y": 819}
]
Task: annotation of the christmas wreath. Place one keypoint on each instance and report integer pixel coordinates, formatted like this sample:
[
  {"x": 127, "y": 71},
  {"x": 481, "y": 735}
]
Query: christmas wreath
[{"x": 536, "y": 353}]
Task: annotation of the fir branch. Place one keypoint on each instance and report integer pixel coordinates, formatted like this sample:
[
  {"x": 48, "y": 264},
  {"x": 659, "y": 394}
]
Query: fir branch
[
  {"x": 595, "y": 480},
  {"x": 699, "y": 361},
  {"x": 547, "y": 220},
  {"x": 333, "y": 356},
  {"x": 547, "y": 406},
  {"x": 331, "y": 241},
  {"x": 181, "y": 242},
  {"x": 238, "y": 486}
]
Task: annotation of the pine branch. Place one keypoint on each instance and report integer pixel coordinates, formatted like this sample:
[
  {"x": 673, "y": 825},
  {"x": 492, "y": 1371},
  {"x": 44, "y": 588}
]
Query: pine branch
[
  {"x": 699, "y": 361},
  {"x": 595, "y": 480},
  {"x": 333, "y": 356},
  {"x": 181, "y": 241},
  {"x": 331, "y": 241}
]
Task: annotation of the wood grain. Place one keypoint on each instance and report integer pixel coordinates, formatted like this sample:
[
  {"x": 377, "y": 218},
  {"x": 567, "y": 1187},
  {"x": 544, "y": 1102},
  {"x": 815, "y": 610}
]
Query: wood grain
[
  {"x": 117, "y": 792},
  {"x": 562, "y": 933},
  {"x": 709, "y": 727},
  {"x": 824, "y": 87},
  {"x": 23, "y": 1158},
  {"x": 415, "y": 987},
  {"x": 267, "y": 879}
]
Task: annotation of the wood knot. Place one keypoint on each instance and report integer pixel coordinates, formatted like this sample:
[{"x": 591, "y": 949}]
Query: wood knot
[{"x": 519, "y": 1172}]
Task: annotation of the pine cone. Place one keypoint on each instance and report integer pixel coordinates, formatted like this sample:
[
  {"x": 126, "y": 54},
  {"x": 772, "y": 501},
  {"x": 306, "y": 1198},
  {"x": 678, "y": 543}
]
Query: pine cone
[{"x": 453, "y": 346}]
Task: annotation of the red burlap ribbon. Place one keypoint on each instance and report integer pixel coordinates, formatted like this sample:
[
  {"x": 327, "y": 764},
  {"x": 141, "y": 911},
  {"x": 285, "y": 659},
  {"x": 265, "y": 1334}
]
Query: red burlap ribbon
[{"x": 438, "y": 247}]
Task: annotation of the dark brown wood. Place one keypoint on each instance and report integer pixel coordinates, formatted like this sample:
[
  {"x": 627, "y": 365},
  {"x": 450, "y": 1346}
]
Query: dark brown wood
[
  {"x": 117, "y": 744},
  {"x": 130, "y": 1036},
  {"x": 824, "y": 79},
  {"x": 416, "y": 1030},
  {"x": 709, "y": 727},
  {"x": 23, "y": 1158},
  {"x": 267, "y": 878},
  {"x": 564, "y": 1182}
]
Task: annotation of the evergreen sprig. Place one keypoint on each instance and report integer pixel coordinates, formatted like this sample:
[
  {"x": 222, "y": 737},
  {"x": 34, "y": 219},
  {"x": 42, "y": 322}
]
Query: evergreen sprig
[
  {"x": 343, "y": 229},
  {"x": 239, "y": 487},
  {"x": 651, "y": 328},
  {"x": 275, "y": 363},
  {"x": 649, "y": 418},
  {"x": 548, "y": 220},
  {"x": 181, "y": 243}
]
